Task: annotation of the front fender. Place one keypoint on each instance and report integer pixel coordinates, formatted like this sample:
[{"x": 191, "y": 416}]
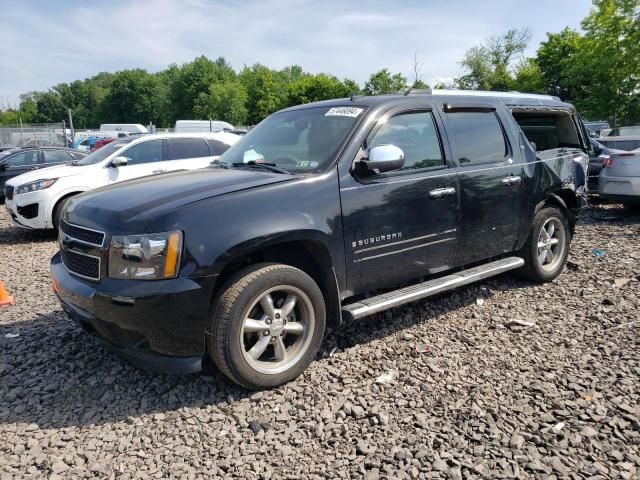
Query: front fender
[{"x": 219, "y": 229}]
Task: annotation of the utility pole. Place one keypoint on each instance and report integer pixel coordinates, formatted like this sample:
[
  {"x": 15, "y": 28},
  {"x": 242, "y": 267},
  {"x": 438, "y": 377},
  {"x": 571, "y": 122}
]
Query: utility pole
[{"x": 73, "y": 134}]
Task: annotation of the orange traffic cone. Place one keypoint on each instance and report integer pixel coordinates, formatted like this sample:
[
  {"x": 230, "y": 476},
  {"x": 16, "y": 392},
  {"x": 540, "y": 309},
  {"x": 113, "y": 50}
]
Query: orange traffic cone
[{"x": 5, "y": 299}]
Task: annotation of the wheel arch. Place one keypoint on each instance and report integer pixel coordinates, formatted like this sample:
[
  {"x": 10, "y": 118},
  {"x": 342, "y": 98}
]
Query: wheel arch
[
  {"x": 309, "y": 253},
  {"x": 60, "y": 198},
  {"x": 567, "y": 201}
]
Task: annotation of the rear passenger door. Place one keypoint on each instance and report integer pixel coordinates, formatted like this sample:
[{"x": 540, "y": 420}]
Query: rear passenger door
[
  {"x": 492, "y": 190},
  {"x": 188, "y": 153},
  {"x": 401, "y": 225}
]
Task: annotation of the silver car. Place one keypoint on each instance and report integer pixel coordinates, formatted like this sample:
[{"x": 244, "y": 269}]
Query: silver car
[{"x": 620, "y": 178}]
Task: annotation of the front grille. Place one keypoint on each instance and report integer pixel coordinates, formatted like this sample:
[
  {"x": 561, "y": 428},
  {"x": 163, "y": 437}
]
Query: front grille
[
  {"x": 82, "y": 234},
  {"x": 80, "y": 264},
  {"x": 8, "y": 192}
]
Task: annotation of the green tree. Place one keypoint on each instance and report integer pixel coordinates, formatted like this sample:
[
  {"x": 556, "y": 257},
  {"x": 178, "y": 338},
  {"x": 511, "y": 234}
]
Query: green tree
[
  {"x": 192, "y": 79},
  {"x": 384, "y": 82},
  {"x": 50, "y": 107},
  {"x": 528, "y": 77},
  {"x": 490, "y": 65},
  {"x": 132, "y": 97},
  {"x": 313, "y": 88},
  {"x": 224, "y": 101},
  {"x": 609, "y": 61},
  {"x": 9, "y": 116},
  {"x": 28, "y": 110},
  {"x": 554, "y": 58},
  {"x": 266, "y": 91}
]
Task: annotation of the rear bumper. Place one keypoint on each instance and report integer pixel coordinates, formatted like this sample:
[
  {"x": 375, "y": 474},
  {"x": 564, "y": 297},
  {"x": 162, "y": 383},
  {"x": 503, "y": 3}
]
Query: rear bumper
[
  {"x": 159, "y": 325},
  {"x": 619, "y": 188}
]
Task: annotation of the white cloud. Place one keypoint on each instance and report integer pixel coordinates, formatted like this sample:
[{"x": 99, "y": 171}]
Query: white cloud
[{"x": 42, "y": 44}]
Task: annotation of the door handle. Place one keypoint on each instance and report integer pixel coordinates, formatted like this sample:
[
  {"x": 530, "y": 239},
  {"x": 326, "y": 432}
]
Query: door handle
[
  {"x": 442, "y": 192},
  {"x": 511, "y": 180},
  {"x": 158, "y": 171}
]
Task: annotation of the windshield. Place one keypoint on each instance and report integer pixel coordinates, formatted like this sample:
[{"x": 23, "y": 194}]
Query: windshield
[
  {"x": 99, "y": 155},
  {"x": 299, "y": 141}
]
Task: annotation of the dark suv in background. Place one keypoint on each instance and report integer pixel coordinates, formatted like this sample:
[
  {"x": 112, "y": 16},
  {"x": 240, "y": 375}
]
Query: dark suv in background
[{"x": 323, "y": 213}]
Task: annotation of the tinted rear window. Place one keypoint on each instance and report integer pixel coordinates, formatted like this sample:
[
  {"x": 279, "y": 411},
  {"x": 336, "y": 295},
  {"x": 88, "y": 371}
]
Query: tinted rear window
[
  {"x": 477, "y": 136},
  {"x": 188, "y": 148},
  {"x": 216, "y": 147}
]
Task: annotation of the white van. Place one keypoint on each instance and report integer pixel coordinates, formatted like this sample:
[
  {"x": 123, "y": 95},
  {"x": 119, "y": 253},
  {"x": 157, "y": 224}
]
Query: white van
[
  {"x": 35, "y": 199},
  {"x": 201, "y": 126},
  {"x": 124, "y": 127}
]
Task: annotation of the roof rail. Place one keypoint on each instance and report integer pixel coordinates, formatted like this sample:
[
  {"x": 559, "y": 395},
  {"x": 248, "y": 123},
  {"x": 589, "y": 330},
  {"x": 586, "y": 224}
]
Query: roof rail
[
  {"x": 417, "y": 91},
  {"x": 481, "y": 93}
]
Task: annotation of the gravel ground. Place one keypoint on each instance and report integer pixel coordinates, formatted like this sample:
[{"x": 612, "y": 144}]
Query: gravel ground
[{"x": 498, "y": 380}]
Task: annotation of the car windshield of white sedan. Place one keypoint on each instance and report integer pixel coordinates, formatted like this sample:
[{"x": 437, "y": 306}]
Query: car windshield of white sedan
[
  {"x": 99, "y": 155},
  {"x": 299, "y": 141}
]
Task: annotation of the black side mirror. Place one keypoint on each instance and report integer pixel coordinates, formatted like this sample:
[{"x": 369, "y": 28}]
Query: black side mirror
[
  {"x": 384, "y": 158},
  {"x": 119, "y": 162},
  {"x": 3, "y": 166}
]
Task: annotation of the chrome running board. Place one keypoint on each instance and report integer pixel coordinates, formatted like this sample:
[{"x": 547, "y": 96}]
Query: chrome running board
[{"x": 371, "y": 305}]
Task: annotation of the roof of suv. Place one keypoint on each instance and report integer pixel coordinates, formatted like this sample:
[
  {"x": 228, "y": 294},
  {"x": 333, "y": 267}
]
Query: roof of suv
[{"x": 508, "y": 98}]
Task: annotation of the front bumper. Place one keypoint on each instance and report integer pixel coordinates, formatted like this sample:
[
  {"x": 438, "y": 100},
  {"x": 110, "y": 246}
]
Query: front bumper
[
  {"x": 20, "y": 209},
  {"x": 159, "y": 325}
]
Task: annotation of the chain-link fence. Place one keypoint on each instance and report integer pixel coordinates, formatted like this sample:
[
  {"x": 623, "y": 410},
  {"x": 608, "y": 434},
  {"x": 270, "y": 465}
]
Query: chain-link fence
[{"x": 32, "y": 135}]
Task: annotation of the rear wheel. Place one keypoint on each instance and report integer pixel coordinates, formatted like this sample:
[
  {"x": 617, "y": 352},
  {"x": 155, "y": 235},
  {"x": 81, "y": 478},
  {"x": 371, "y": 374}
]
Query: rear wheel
[
  {"x": 267, "y": 325},
  {"x": 547, "y": 247}
]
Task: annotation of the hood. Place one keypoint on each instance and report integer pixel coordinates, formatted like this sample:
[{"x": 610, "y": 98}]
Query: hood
[
  {"x": 57, "y": 171},
  {"x": 119, "y": 207}
]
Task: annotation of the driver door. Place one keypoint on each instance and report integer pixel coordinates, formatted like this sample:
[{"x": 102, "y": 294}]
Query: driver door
[
  {"x": 402, "y": 225},
  {"x": 145, "y": 158}
]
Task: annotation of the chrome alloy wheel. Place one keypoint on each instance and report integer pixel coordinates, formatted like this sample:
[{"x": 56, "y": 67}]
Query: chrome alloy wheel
[
  {"x": 551, "y": 244},
  {"x": 277, "y": 329}
]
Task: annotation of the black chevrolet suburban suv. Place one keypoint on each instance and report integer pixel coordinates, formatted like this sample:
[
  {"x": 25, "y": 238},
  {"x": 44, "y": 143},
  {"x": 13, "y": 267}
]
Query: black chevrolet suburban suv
[{"x": 323, "y": 213}]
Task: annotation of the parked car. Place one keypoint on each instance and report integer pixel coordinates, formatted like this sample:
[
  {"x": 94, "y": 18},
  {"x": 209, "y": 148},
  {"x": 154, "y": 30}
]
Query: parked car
[
  {"x": 17, "y": 161},
  {"x": 35, "y": 200},
  {"x": 597, "y": 126},
  {"x": 631, "y": 130},
  {"x": 620, "y": 179},
  {"x": 626, "y": 143},
  {"x": 599, "y": 154},
  {"x": 249, "y": 262},
  {"x": 101, "y": 143}
]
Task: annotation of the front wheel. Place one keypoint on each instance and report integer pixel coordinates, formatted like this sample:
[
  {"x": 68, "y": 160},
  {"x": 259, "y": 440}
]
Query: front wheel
[
  {"x": 546, "y": 250},
  {"x": 57, "y": 213},
  {"x": 267, "y": 325}
]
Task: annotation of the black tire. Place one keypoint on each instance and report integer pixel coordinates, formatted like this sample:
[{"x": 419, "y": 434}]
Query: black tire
[
  {"x": 57, "y": 213},
  {"x": 238, "y": 298},
  {"x": 533, "y": 269}
]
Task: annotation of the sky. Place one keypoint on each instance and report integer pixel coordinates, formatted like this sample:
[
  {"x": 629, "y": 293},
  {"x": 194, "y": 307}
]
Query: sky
[{"x": 43, "y": 43}]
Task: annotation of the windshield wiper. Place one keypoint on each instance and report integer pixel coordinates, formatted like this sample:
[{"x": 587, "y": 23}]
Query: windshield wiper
[
  {"x": 271, "y": 167},
  {"x": 219, "y": 163}
]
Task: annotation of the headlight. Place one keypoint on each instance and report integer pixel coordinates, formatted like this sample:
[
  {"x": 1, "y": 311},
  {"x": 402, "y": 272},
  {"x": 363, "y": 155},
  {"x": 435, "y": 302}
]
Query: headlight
[
  {"x": 146, "y": 257},
  {"x": 35, "y": 186}
]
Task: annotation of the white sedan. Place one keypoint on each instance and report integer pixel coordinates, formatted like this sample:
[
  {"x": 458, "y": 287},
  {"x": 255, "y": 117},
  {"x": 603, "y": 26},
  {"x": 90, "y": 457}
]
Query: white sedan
[{"x": 35, "y": 199}]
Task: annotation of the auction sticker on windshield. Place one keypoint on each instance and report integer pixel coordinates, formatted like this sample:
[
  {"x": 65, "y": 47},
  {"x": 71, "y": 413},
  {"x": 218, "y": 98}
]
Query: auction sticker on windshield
[{"x": 343, "y": 112}]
